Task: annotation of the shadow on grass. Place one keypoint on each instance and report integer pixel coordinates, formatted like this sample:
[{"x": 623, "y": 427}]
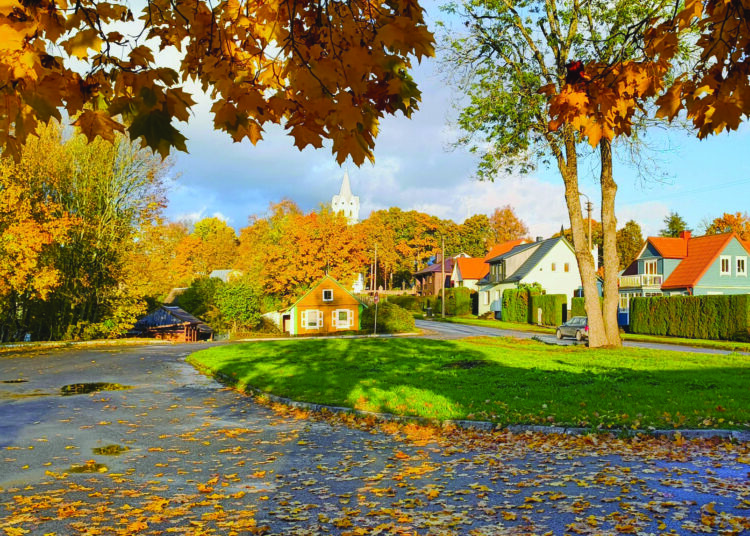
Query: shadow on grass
[{"x": 477, "y": 379}]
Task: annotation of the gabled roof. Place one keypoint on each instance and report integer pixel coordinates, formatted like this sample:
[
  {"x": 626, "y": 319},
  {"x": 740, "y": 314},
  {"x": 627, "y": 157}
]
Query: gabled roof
[
  {"x": 170, "y": 315},
  {"x": 513, "y": 251},
  {"x": 701, "y": 253},
  {"x": 545, "y": 246},
  {"x": 436, "y": 267},
  {"x": 472, "y": 268},
  {"x": 669, "y": 248},
  {"x": 316, "y": 285},
  {"x": 500, "y": 249}
]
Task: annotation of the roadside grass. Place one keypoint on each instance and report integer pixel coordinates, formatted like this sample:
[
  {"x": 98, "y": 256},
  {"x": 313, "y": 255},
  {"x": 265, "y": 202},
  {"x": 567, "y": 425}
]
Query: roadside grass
[
  {"x": 498, "y": 379},
  {"x": 730, "y": 346}
]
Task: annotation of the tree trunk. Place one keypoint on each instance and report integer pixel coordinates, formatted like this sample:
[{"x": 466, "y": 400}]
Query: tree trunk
[
  {"x": 569, "y": 172},
  {"x": 611, "y": 263}
]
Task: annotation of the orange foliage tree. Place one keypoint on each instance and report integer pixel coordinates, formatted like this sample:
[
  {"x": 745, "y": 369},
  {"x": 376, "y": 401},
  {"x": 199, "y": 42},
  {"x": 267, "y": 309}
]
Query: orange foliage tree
[
  {"x": 326, "y": 70},
  {"x": 738, "y": 223}
]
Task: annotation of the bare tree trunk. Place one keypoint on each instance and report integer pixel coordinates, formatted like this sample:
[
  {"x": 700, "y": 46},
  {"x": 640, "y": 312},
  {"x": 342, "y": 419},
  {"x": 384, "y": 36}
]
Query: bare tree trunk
[
  {"x": 569, "y": 172},
  {"x": 611, "y": 262}
]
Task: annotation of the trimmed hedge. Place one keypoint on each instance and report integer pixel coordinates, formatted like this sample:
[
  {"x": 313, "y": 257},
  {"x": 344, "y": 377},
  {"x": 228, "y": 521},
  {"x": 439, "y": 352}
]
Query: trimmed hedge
[
  {"x": 516, "y": 305},
  {"x": 457, "y": 302},
  {"x": 391, "y": 319},
  {"x": 724, "y": 317},
  {"x": 551, "y": 306},
  {"x": 408, "y": 302}
]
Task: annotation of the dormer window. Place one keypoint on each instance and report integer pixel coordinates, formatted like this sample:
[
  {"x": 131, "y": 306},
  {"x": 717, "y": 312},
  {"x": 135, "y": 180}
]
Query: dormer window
[
  {"x": 649, "y": 267},
  {"x": 327, "y": 294}
]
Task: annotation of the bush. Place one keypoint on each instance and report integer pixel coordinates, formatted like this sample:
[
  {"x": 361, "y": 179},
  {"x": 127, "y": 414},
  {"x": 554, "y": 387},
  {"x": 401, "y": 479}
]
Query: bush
[
  {"x": 516, "y": 305},
  {"x": 391, "y": 319},
  {"x": 457, "y": 301},
  {"x": 239, "y": 303},
  {"x": 552, "y": 308},
  {"x": 200, "y": 297},
  {"x": 408, "y": 302},
  {"x": 693, "y": 317}
]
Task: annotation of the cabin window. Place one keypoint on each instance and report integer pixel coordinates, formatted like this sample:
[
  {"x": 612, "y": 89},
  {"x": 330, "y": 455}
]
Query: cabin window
[
  {"x": 725, "y": 268},
  {"x": 342, "y": 318},
  {"x": 327, "y": 294},
  {"x": 312, "y": 319},
  {"x": 742, "y": 266}
]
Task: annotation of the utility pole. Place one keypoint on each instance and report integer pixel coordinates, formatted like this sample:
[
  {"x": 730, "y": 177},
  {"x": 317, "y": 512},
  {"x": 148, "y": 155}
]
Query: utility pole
[
  {"x": 442, "y": 276},
  {"x": 375, "y": 325},
  {"x": 589, "y": 208}
]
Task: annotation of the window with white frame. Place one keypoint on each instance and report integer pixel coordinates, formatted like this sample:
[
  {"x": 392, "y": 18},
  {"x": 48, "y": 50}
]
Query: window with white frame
[
  {"x": 553, "y": 267},
  {"x": 498, "y": 295},
  {"x": 624, "y": 301},
  {"x": 486, "y": 298},
  {"x": 342, "y": 318},
  {"x": 741, "y": 266},
  {"x": 566, "y": 267},
  {"x": 649, "y": 267},
  {"x": 327, "y": 294},
  {"x": 312, "y": 319},
  {"x": 725, "y": 265}
]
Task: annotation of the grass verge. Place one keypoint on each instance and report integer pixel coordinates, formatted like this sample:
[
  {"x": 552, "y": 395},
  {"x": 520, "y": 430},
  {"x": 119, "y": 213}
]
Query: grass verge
[{"x": 503, "y": 380}]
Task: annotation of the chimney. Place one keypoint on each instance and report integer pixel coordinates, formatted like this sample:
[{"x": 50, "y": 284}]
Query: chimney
[
  {"x": 685, "y": 235},
  {"x": 539, "y": 238}
]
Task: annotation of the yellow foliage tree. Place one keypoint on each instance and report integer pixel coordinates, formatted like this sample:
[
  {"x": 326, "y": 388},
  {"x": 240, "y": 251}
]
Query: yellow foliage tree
[{"x": 326, "y": 70}]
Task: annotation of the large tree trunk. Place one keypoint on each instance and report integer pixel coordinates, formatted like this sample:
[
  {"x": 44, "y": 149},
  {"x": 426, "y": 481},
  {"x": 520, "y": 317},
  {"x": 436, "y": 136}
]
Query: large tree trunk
[
  {"x": 611, "y": 262},
  {"x": 569, "y": 172}
]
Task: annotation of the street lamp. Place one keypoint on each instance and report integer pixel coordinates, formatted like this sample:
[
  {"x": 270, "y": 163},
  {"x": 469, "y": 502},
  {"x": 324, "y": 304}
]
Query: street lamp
[{"x": 589, "y": 207}]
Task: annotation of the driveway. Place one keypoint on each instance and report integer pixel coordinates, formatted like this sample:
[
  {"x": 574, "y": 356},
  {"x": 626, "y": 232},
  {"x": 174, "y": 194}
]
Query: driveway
[
  {"x": 175, "y": 452},
  {"x": 448, "y": 330}
]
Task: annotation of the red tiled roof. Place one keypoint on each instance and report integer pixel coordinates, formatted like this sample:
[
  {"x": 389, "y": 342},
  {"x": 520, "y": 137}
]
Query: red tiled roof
[
  {"x": 669, "y": 248},
  {"x": 505, "y": 247},
  {"x": 746, "y": 244},
  {"x": 701, "y": 253},
  {"x": 473, "y": 268}
]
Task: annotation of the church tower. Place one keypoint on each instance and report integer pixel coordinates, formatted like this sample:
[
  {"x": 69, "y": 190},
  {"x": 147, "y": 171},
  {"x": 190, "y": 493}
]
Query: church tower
[{"x": 346, "y": 202}]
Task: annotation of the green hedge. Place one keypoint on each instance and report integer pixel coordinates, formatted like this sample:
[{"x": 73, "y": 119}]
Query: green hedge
[
  {"x": 391, "y": 318},
  {"x": 516, "y": 305},
  {"x": 578, "y": 308},
  {"x": 457, "y": 302},
  {"x": 693, "y": 317},
  {"x": 408, "y": 302},
  {"x": 552, "y": 308}
]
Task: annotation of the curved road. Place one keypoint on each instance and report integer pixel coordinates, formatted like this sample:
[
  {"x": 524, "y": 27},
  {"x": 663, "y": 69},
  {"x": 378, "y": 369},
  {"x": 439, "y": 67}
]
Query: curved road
[
  {"x": 196, "y": 458},
  {"x": 456, "y": 331}
]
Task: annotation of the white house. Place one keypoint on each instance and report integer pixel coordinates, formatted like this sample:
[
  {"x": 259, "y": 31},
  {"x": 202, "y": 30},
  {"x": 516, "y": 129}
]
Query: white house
[{"x": 551, "y": 263}]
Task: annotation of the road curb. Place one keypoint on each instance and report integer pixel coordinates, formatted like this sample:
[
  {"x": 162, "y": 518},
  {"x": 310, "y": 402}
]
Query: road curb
[{"x": 483, "y": 426}]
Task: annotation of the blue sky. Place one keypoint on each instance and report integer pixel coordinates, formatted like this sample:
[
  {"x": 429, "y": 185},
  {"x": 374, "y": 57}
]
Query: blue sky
[{"x": 415, "y": 169}]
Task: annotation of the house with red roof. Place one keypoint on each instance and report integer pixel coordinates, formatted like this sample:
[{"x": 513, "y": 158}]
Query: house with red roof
[
  {"x": 430, "y": 280},
  {"x": 687, "y": 266}
]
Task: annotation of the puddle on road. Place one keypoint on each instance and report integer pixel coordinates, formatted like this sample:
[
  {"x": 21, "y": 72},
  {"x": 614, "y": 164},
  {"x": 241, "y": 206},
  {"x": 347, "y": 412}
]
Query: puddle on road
[
  {"x": 14, "y": 381},
  {"x": 93, "y": 387},
  {"x": 89, "y": 467},
  {"x": 110, "y": 450}
]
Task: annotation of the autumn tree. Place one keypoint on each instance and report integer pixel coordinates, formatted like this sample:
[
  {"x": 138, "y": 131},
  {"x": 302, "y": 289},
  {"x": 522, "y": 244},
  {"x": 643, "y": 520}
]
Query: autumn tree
[
  {"x": 629, "y": 243},
  {"x": 738, "y": 223},
  {"x": 477, "y": 235},
  {"x": 506, "y": 225},
  {"x": 215, "y": 246},
  {"x": 326, "y": 71},
  {"x": 511, "y": 56},
  {"x": 673, "y": 225}
]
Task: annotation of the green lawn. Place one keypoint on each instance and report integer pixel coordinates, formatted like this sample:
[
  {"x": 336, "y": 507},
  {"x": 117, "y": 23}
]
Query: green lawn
[
  {"x": 730, "y": 346},
  {"x": 504, "y": 380}
]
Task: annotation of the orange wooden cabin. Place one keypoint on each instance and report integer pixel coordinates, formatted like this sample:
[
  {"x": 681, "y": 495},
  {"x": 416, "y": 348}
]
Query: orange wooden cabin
[{"x": 326, "y": 308}]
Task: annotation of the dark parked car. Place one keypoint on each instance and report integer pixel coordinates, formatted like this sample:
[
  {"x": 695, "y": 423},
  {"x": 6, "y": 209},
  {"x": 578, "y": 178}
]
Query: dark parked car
[{"x": 577, "y": 327}]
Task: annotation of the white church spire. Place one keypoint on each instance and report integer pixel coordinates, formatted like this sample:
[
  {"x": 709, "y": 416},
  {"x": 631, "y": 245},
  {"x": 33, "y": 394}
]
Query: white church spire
[{"x": 346, "y": 202}]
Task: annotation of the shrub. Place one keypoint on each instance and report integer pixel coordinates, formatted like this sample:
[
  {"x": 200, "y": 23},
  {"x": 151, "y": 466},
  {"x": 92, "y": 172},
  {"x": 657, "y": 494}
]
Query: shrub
[
  {"x": 391, "y": 318},
  {"x": 516, "y": 305},
  {"x": 578, "y": 307},
  {"x": 457, "y": 301},
  {"x": 239, "y": 303},
  {"x": 552, "y": 308},
  {"x": 408, "y": 302},
  {"x": 693, "y": 317}
]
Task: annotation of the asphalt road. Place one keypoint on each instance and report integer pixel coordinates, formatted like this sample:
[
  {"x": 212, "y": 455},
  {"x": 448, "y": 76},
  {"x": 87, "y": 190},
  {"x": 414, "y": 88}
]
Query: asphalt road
[
  {"x": 196, "y": 458},
  {"x": 449, "y": 330}
]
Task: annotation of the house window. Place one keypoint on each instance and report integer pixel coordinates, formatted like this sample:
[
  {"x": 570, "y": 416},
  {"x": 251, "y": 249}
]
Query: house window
[
  {"x": 624, "y": 301},
  {"x": 742, "y": 266},
  {"x": 486, "y": 298},
  {"x": 312, "y": 319},
  {"x": 566, "y": 267},
  {"x": 553, "y": 267},
  {"x": 342, "y": 318},
  {"x": 328, "y": 295},
  {"x": 649, "y": 267},
  {"x": 725, "y": 268},
  {"x": 497, "y": 295}
]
